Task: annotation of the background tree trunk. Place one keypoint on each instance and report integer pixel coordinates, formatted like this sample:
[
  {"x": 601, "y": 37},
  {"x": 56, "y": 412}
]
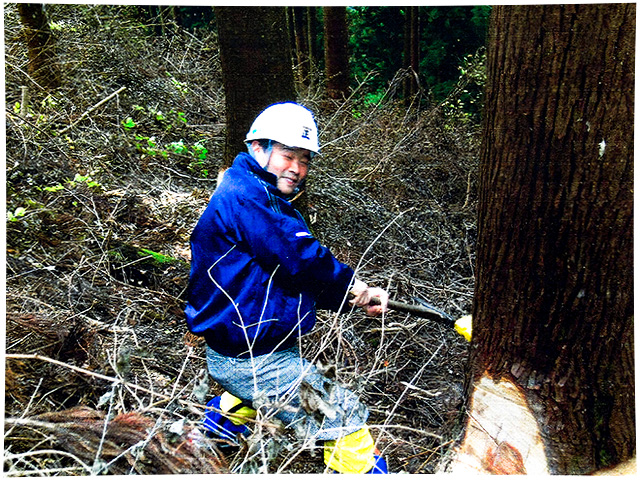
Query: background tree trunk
[
  {"x": 42, "y": 66},
  {"x": 256, "y": 63},
  {"x": 301, "y": 34},
  {"x": 336, "y": 51},
  {"x": 411, "y": 54},
  {"x": 312, "y": 28},
  {"x": 553, "y": 307}
]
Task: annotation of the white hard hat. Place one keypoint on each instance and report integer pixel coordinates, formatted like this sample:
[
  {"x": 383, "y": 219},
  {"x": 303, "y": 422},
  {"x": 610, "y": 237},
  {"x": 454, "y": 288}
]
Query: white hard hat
[{"x": 287, "y": 123}]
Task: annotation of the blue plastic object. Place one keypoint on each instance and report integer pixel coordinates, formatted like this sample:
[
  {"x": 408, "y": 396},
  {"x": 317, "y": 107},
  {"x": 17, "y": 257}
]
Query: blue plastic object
[
  {"x": 379, "y": 467},
  {"x": 220, "y": 426}
]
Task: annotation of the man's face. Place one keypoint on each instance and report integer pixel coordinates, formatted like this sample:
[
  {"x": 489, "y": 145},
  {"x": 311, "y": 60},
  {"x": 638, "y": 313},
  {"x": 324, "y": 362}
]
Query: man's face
[{"x": 289, "y": 165}]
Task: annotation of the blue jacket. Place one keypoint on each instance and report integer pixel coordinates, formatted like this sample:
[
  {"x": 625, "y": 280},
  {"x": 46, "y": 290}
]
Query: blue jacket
[{"x": 257, "y": 272}]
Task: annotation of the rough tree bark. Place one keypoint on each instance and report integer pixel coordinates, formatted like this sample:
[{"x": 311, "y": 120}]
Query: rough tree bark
[
  {"x": 552, "y": 365},
  {"x": 42, "y": 66},
  {"x": 336, "y": 51},
  {"x": 256, "y": 67}
]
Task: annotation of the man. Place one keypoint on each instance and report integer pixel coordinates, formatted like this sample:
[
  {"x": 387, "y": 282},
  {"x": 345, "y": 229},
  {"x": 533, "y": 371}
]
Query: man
[{"x": 257, "y": 277}]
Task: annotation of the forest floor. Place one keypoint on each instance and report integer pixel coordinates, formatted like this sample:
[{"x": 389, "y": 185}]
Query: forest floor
[{"x": 102, "y": 375}]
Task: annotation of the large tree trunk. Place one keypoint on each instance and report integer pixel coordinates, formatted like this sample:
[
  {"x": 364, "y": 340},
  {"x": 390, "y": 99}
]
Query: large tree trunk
[
  {"x": 256, "y": 67},
  {"x": 552, "y": 365},
  {"x": 42, "y": 66},
  {"x": 336, "y": 51}
]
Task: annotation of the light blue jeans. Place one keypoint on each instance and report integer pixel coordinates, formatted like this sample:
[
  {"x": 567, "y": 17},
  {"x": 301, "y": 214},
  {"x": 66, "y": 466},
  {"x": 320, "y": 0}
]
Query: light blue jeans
[{"x": 283, "y": 382}]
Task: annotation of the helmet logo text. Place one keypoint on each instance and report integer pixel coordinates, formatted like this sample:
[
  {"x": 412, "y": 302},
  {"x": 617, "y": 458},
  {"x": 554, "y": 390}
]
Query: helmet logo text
[{"x": 305, "y": 133}]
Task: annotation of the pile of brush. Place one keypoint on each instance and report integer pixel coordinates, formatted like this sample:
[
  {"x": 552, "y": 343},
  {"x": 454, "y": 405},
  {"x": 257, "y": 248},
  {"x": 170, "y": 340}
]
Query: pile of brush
[{"x": 129, "y": 443}]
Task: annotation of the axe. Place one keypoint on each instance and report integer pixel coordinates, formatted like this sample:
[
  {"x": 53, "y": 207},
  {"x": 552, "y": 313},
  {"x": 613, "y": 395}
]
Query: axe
[{"x": 463, "y": 325}]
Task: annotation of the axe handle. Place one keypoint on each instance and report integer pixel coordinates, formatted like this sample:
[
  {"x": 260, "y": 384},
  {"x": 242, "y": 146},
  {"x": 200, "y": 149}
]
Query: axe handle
[{"x": 419, "y": 311}]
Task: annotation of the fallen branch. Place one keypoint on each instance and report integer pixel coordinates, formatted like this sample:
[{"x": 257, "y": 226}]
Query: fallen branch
[
  {"x": 114, "y": 380},
  {"x": 18, "y": 456},
  {"x": 35, "y": 356},
  {"x": 127, "y": 443},
  {"x": 101, "y": 102}
]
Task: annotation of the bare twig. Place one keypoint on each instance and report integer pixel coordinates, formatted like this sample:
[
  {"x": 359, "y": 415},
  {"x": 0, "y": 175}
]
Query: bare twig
[
  {"x": 26, "y": 410},
  {"x": 101, "y": 102},
  {"x": 17, "y": 456},
  {"x": 128, "y": 384}
]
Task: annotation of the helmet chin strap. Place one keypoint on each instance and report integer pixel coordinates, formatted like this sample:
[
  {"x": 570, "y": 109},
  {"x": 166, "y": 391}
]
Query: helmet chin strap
[{"x": 268, "y": 151}]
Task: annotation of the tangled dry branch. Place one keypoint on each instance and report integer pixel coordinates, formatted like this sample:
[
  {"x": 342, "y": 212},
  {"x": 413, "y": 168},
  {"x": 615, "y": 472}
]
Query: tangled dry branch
[{"x": 97, "y": 259}]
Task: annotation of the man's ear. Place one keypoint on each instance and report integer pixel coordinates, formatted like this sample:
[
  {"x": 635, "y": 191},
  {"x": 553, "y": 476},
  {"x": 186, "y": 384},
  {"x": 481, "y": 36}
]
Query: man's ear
[
  {"x": 255, "y": 146},
  {"x": 259, "y": 153}
]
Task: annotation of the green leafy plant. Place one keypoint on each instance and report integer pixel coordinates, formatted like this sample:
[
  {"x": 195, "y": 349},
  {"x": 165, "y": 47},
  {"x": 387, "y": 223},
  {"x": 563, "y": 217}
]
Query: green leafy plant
[
  {"x": 50, "y": 103},
  {"x": 78, "y": 179},
  {"x": 128, "y": 123},
  {"x": 148, "y": 146},
  {"x": 158, "y": 257},
  {"x": 150, "y": 116},
  {"x": 199, "y": 151},
  {"x": 54, "y": 188},
  {"x": 180, "y": 86},
  {"x": 178, "y": 147},
  {"x": 465, "y": 100},
  {"x": 83, "y": 179},
  {"x": 16, "y": 215}
]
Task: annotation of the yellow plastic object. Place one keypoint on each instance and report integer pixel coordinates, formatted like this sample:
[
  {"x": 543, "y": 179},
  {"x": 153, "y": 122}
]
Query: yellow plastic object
[
  {"x": 228, "y": 401},
  {"x": 353, "y": 453},
  {"x": 464, "y": 326}
]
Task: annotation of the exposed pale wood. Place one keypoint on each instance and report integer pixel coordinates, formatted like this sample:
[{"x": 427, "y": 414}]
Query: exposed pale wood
[
  {"x": 500, "y": 429},
  {"x": 629, "y": 467}
]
